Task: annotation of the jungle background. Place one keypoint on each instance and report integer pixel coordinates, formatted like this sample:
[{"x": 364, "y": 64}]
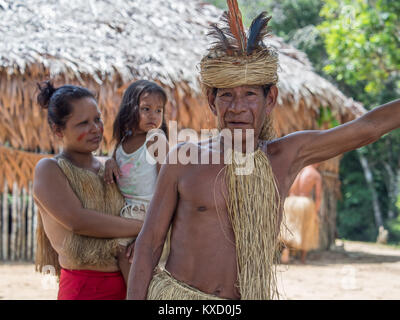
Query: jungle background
[{"x": 345, "y": 40}]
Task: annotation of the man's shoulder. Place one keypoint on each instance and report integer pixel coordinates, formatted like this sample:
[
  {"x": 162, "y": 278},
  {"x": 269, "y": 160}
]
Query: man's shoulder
[
  {"x": 290, "y": 142},
  {"x": 271, "y": 147}
]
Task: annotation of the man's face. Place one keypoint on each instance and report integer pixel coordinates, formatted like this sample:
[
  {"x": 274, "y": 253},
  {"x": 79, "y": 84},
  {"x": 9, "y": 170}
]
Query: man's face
[{"x": 244, "y": 107}]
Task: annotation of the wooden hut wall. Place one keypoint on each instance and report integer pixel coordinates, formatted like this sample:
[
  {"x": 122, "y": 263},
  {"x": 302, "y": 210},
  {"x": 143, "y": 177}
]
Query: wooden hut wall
[
  {"x": 24, "y": 124},
  {"x": 18, "y": 216},
  {"x": 18, "y": 211}
]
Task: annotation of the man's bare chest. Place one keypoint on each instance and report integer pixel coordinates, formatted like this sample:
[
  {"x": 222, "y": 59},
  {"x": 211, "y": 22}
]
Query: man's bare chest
[{"x": 203, "y": 186}]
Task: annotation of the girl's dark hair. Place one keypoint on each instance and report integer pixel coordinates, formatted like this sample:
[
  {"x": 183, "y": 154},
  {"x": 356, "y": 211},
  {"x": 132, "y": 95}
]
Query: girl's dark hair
[
  {"x": 128, "y": 114},
  {"x": 58, "y": 101}
]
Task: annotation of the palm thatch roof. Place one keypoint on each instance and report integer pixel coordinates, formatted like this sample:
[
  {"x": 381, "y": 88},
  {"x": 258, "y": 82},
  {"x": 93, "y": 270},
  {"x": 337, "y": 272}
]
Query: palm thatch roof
[
  {"x": 105, "y": 39},
  {"x": 104, "y": 44}
]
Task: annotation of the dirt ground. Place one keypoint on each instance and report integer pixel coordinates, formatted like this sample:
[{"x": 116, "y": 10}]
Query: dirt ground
[{"x": 355, "y": 270}]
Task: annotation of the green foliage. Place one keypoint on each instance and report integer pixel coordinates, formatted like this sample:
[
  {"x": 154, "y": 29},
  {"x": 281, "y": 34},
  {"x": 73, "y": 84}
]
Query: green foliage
[
  {"x": 249, "y": 8},
  {"x": 326, "y": 117},
  {"x": 362, "y": 40},
  {"x": 398, "y": 202},
  {"x": 355, "y": 217},
  {"x": 296, "y": 22},
  {"x": 290, "y": 16},
  {"x": 293, "y": 20}
]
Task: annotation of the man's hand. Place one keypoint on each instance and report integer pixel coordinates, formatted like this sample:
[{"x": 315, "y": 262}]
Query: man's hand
[{"x": 111, "y": 171}]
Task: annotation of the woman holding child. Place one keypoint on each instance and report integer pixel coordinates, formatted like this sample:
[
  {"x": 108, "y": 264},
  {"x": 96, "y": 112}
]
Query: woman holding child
[{"x": 79, "y": 222}]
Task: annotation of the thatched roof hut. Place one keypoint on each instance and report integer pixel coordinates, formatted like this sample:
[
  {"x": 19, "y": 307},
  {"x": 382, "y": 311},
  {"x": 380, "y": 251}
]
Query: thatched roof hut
[{"x": 104, "y": 45}]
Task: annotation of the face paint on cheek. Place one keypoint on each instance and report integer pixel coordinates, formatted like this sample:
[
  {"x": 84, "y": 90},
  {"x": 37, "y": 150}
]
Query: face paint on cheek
[{"x": 81, "y": 136}]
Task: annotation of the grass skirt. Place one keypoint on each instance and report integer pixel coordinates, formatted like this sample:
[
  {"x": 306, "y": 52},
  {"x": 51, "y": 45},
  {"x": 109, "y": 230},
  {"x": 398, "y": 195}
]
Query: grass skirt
[
  {"x": 302, "y": 224},
  {"x": 164, "y": 287}
]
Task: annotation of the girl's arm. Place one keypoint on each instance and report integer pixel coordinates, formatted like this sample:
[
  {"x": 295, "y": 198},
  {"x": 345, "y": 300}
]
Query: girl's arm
[{"x": 55, "y": 197}]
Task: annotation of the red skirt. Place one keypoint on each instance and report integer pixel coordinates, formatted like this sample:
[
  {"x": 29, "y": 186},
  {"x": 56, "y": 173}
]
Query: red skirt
[{"x": 91, "y": 285}]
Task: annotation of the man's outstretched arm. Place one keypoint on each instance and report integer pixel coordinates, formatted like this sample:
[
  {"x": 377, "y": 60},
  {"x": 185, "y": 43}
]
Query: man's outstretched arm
[
  {"x": 320, "y": 145},
  {"x": 150, "y": 242}
]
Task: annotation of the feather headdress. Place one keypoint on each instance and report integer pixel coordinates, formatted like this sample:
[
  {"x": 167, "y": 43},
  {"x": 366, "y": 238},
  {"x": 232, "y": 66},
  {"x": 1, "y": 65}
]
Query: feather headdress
[{"x": 236, "y": 57}]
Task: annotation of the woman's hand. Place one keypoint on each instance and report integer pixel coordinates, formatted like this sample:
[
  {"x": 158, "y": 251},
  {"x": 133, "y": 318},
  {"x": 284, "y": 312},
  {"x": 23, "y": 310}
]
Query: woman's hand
[{"x": 111, "y": 171}]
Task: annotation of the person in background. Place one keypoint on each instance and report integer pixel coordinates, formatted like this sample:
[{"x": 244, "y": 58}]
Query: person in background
[{"x": 301, "y": 228}]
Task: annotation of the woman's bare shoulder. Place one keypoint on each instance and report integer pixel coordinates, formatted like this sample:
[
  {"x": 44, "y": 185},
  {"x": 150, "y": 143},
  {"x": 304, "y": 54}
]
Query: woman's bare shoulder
[
  {"x": 47, "y": 167},
  {"x": 46, "y": 163}
]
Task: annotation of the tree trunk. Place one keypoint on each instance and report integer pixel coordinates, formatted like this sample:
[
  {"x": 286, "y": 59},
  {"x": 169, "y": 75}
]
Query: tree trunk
[
  {"x": 370, "y": 184},
  {"x": 327, "y": 229},
  {"x": 393, "y": 188},
  {"x": 397, "y": 185}
]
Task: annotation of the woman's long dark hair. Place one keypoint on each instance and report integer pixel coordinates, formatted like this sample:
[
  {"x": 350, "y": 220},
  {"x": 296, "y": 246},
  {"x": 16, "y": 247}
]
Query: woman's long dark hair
[{"x": 128, "y": 115}]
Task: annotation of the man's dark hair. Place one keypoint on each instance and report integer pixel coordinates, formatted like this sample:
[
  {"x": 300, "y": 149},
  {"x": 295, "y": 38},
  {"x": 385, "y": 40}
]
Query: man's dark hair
[{"x": 58, "y": 101}]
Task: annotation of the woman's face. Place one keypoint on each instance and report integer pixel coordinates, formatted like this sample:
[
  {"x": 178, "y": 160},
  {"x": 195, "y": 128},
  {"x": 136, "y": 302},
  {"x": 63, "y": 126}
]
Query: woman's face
[
  {"x": 151, "y": 108},
  {"x": 83, "y": 130}
]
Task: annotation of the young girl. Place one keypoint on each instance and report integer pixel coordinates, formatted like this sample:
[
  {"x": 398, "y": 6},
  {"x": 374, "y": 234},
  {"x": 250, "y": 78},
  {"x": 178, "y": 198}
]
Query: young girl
[
  {"x": 141, "y": 110},
  {"x": 79, "y": 213}
]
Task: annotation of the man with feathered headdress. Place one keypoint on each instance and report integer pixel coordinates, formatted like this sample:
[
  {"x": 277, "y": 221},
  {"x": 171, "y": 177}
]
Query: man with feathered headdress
[{"x": 225, "y": 223}]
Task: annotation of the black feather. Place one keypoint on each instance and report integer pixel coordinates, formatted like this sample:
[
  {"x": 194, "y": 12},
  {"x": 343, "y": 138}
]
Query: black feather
[
  {"x": 257, "y": 32},
  {"x": 221, "y": 41},
  {"x": 227, "y": 31}
]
